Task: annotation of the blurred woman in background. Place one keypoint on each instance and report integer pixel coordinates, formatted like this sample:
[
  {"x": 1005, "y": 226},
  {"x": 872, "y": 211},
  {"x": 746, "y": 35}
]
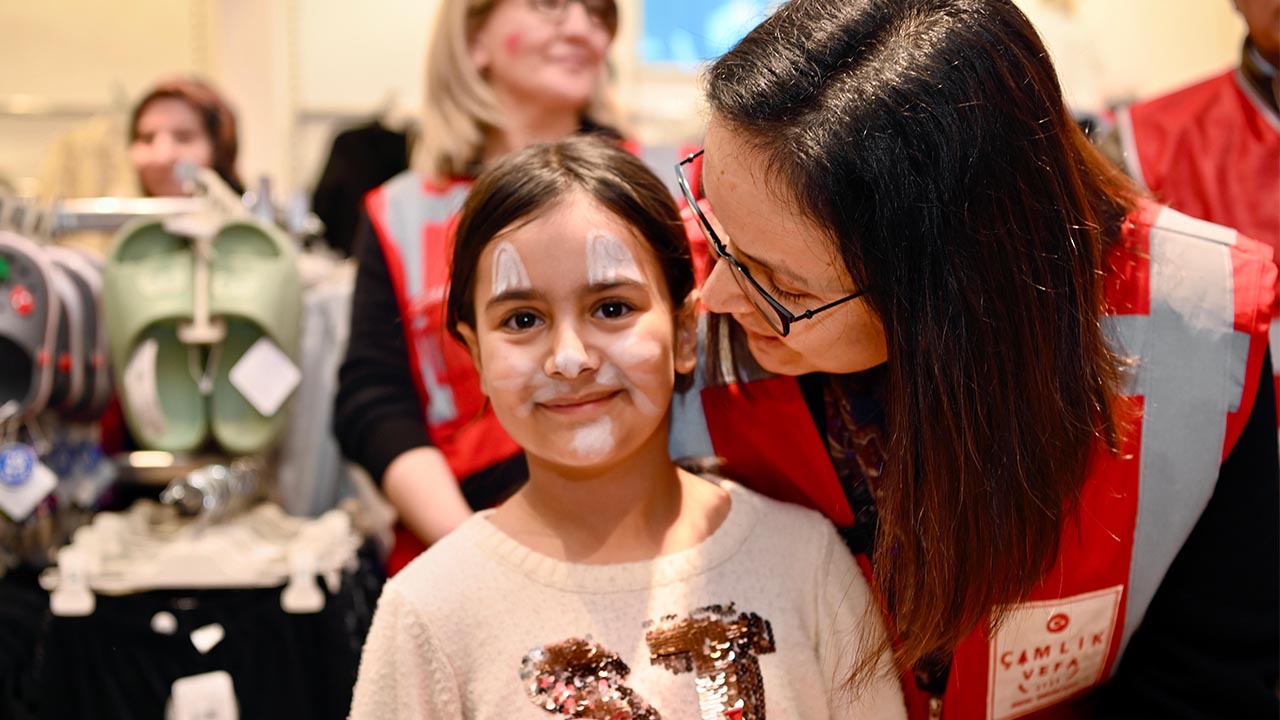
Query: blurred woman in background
[
  {"x": 183, "y": 119},
  {"x": 500, "y": 75}
]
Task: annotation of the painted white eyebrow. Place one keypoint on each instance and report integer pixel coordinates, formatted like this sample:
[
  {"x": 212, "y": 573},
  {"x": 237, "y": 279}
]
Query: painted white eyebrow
[
  {"x": 508, "y": 270},
  {"x": 609, "y": 260}
]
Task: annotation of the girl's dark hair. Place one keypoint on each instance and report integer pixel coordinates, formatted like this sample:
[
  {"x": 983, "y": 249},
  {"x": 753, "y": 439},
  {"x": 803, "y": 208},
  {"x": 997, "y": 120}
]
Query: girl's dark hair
[
  {"x": 525, "y": 184},
  {"x": 931, "y": 139},
  {"x": 216, "y": 118}
]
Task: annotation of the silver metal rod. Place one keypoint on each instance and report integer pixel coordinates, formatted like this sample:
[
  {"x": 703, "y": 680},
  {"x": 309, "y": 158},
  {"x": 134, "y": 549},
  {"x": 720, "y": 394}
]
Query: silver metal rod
[{"x": 109, "y": 214}]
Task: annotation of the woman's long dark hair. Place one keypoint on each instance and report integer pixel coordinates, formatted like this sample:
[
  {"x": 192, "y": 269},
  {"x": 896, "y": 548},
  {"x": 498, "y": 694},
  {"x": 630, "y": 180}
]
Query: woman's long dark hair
[
  {"x": 931, "y": 138},
  {"x": 216, "y": 118}
]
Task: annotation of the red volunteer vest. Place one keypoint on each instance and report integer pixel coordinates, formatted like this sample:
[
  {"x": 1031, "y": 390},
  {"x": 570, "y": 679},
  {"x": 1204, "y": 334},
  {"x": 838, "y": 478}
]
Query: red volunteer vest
[
  {"x": 1190, "y": 301},
  {"x": 415, "y": 222},
  {"x": 1212, "y": 151}
]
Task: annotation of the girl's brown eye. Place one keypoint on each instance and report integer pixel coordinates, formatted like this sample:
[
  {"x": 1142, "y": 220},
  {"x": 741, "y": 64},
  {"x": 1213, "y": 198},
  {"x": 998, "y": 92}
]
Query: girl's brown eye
[
  {"x": 521, "y": 321},
  {"x": 613, "y": 310}
]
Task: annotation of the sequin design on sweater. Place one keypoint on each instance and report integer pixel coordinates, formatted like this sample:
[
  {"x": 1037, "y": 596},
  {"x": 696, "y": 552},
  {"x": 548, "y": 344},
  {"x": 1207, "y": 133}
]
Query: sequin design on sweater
[
  {"x": 720, "y": 646},
  {"x": 579, "y": 678}
]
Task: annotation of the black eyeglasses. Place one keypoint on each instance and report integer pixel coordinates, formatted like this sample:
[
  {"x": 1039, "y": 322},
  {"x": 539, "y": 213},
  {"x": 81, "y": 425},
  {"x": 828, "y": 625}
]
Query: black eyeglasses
[
  {"x": 602, "y": 12},
  {"x": 773, "y": 312}
]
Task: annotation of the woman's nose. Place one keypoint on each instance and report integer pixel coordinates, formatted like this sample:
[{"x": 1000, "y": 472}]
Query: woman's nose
[
  {"x": 721, "y": 293},
  {"x": 162, "y": 151},
  {"x": 576, "y": 19}
]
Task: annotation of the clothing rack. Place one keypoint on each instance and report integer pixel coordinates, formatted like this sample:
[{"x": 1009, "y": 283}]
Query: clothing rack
[
  {"x": 108, "y": 214},
  {"x": 36, "y": 107}
]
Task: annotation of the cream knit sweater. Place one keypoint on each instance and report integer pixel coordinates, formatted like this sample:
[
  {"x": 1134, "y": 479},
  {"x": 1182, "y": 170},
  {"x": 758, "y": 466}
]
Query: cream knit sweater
[{"x": 765, "y": 615}]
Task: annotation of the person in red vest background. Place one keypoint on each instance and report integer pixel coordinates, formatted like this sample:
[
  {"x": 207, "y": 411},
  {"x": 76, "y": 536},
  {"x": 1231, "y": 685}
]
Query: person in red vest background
[
  {"x": 1038, "y": 404},
  {"x": 500, "y": 75},
  {"x": 1212, "y": 150}
]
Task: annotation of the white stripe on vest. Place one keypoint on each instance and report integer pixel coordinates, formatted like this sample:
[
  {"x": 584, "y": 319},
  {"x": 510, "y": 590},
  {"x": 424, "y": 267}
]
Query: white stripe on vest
[
  {"x": 409, "y": 209},
  {"x": 1191, "y": 372}
]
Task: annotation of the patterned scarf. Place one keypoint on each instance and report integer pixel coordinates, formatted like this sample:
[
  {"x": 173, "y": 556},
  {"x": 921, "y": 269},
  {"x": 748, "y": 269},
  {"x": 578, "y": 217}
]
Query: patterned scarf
[{"x": 855, "y": 425}]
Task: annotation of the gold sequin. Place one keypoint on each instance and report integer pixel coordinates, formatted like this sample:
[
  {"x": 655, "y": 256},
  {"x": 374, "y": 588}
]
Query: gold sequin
[
  {"x": 720, "y": 646},
  {"x": 579, "y": 678}
]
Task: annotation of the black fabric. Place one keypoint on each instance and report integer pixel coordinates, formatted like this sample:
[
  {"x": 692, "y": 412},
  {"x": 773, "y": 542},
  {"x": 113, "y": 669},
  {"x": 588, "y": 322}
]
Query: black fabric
[
  {"x": 112, "y": 664},
  {"x": 23, "y": 609},
  {"x": 494, "y": 484},
  {"x": 377, "y": 414},
  {"x": 361, "y": 159},
  {"x": 812, "y": 388},
  {"x": 1258, "y": 73},
  {"x": 1209, "y": 645}
]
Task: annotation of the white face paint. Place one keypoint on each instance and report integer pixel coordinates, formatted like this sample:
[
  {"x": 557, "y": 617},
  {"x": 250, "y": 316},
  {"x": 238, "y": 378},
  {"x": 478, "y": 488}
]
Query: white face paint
[
  {"x": 508, "y": 270},
  {"x": 571, "y": 361},
  {"x": 635, "y": 352},
  {"x": 594, "y": 441},
  {"x": 581, "y": 371},
  {"x": 609, "y": 260}
]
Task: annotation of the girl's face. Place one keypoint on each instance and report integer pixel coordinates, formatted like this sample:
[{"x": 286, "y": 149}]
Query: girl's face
[
  {"x": 792, "y": 258},
  {"x": 169, "y": 130},
  {"x": 544, "y": 53},
  {"x": 576, "y": 340}
]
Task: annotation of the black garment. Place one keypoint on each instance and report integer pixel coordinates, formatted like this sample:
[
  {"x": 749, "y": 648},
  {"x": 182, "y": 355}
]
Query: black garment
[
  {"x": 361, "y": 159},
  {"x": 23, "y": 606},
  {"x": 1209, "y": 644},
  {"x": 1260, "y": 75},
  {"x": 377, "y": 415},
  {"x": 113, "y": 664}
]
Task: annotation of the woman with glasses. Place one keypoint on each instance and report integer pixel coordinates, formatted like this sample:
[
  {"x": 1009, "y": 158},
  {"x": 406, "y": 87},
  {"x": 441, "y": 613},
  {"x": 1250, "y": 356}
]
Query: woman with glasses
[
  {"x": 500, "y": 75},
  {"x": 1035, "y": 400}
]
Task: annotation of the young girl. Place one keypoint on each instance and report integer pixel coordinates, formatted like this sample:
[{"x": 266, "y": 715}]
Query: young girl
[{"x": 614, "y": 585}]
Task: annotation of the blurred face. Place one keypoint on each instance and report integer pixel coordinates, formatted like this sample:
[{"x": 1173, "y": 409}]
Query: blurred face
[
  {"x": 1263, "y": 19},
  {"x": 544, "y": 52},
  {"x": 575, "y": 339},
  {"x": 169, "y": 130},
  {"x": 792, "y": 258}
]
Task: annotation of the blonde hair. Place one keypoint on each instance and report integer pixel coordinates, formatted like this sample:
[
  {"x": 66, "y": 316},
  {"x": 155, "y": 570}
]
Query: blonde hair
[{"x": 459, "y": 105}]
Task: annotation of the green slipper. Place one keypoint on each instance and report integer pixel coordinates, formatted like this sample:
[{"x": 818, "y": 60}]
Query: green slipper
[
  {"x": 147, "y": 292},
  {"x": 255, "y": 289}
]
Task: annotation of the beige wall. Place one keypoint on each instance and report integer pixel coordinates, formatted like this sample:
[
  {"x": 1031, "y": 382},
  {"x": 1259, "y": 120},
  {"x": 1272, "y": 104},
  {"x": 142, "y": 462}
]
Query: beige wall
[
  {"x": 65, "y": 60},
  {"x": 1109, "y": 50},
  {"x": 299, "y": 69}
]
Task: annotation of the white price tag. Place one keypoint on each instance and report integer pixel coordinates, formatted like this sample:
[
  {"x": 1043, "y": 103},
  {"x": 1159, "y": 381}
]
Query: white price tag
[
  {"x": 209, "y": 696},
  {"x": 207, "y": 637},
  {"x": 23, "y": 488},
  {"x": 140, "y": 389},
  {"x": 265, "y": 376}
]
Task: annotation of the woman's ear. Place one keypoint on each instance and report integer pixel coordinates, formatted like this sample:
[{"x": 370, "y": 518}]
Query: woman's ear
[
  {"x": 473, "y": 348},
  {"x": 478, "y": 51},
  {"x": 686, "y": 346}
]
